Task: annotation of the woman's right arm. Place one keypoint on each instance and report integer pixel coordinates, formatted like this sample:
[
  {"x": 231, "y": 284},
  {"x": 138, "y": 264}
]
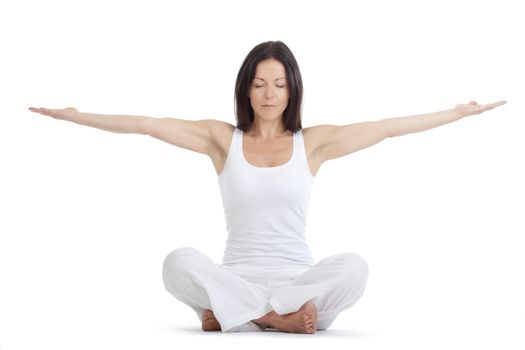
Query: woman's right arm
[
  {"x": 114, "y": 123},
  {"x": 194, "y": 135}
]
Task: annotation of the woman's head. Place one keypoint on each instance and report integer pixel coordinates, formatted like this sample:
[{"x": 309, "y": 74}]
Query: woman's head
[{"x": 269, "y": 75}]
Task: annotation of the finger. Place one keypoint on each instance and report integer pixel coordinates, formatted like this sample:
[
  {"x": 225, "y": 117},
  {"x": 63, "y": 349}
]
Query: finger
[
  {"x": 499, "y": 103},
  {"x": 488, "y": 107},
  {"x": 494, "y": 105},
  {"x": 50, "y": 112}
]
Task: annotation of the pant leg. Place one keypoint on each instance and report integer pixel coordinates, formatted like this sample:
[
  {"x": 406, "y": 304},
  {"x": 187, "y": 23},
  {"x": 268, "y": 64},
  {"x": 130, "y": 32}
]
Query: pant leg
[
  {"x": 333, "y": 285},
  {"x": 193, "y": 278}
]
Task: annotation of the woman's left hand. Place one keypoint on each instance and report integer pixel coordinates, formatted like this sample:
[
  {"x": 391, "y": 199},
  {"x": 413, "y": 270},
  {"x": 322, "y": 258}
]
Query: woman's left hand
[{"x": 474, "y": 108}]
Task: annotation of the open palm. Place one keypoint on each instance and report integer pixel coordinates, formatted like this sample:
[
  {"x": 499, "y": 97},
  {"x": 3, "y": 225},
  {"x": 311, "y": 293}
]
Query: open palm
[
  {"x": 474, "y": 108},
  {"x": 64, "y": 113}
]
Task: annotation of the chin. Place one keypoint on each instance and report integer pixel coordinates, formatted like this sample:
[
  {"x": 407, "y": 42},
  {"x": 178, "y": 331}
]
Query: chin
[{"x": 270, "y": 115}]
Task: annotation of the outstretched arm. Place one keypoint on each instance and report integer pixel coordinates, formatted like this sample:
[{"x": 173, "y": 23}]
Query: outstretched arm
[
  {"x": 416, "y": 123},
  {"x": 194, "y": 135},
  {"x": 339, "y": 140}
]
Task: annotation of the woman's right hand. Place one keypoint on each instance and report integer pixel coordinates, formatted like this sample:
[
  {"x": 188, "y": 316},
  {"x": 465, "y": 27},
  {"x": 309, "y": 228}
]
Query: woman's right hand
[{"x": 64, "y": 114}]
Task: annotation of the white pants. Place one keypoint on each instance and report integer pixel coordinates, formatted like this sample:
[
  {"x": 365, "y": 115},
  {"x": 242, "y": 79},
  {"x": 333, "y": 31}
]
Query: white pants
[{"x": 239, "y": 294}]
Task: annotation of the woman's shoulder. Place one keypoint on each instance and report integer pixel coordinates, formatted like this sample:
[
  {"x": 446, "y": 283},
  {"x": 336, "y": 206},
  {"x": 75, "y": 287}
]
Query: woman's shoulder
[
  {"x": 221, "y": 133},
  {"x": 314, "y": 135}
]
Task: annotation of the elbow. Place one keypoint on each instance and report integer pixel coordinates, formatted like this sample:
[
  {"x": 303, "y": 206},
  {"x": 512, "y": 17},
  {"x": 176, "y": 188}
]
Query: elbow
[
  {"x": 145, "y": 125},
  {"x": 384, "y": 128}
]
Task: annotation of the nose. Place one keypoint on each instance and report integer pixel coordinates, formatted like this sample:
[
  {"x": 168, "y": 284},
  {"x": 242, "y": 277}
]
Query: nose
[{"x": 269, "y": 93}]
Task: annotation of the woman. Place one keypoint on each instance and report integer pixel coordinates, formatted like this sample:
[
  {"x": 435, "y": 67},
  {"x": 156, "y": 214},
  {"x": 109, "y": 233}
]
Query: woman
[{"x": 266, "y": 166}]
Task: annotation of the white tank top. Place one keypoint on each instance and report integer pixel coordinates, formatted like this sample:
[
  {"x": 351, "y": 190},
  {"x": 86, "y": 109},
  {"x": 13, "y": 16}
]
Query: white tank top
[{"x": 265, "y": 208}]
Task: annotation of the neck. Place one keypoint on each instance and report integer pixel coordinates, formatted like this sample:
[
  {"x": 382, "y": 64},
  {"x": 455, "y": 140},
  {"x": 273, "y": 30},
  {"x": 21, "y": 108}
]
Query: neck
[{"x": 267, "y": 129}]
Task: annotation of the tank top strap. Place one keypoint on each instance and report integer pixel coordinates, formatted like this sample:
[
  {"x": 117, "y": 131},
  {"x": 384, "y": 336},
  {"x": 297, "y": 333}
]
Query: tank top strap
[
  {"x": 300, "y": 145},
  {"x": 301, "y": 154},
  {"x": 238, "y": 144}
]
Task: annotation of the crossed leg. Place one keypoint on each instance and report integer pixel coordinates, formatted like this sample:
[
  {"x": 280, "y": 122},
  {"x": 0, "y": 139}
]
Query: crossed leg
[{"x": 310, "y": 303}]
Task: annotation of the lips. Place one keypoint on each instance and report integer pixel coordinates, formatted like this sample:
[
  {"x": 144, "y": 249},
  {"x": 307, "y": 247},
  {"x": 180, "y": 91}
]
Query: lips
[{"x": 269, "y": 106}]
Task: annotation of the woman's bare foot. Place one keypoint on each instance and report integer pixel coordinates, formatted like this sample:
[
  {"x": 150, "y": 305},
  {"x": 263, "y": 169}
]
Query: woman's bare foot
[
  {"x": 302, "y": 321},
  {"x": 209, "y": 322}
]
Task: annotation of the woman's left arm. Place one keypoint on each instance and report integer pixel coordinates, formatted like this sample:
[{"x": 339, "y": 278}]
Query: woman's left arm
[
  {"x": 416, "y": 123},
  {"x": 334, "y": 141}
]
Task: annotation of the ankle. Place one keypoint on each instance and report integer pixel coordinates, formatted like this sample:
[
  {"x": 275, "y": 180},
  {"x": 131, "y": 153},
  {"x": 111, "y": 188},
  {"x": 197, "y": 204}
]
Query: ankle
[{"x": 267, "y": 320}]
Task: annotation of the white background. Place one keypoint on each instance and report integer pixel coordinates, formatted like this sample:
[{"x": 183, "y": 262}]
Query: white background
[{"x": 87, "y": 216}]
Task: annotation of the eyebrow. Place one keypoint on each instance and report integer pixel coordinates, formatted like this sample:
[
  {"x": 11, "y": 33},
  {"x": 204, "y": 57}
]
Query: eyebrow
[{"x": 275, "y": 79}]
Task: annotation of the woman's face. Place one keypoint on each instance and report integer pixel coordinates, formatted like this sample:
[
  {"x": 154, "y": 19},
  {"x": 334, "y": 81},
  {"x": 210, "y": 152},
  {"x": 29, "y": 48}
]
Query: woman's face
[{"x": 269, "y": 90}]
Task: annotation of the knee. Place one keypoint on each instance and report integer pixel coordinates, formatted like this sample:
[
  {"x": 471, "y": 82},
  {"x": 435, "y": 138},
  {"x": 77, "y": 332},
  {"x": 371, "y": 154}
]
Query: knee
[
  {"x": 176, "y": 262},
  {"x": 354, "y": 265},
  {"x": 353, "y": 275}
]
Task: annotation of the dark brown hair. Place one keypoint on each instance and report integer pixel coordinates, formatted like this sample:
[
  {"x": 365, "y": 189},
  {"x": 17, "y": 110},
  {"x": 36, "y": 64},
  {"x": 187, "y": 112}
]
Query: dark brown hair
[{"x": 279, "y": 51}]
